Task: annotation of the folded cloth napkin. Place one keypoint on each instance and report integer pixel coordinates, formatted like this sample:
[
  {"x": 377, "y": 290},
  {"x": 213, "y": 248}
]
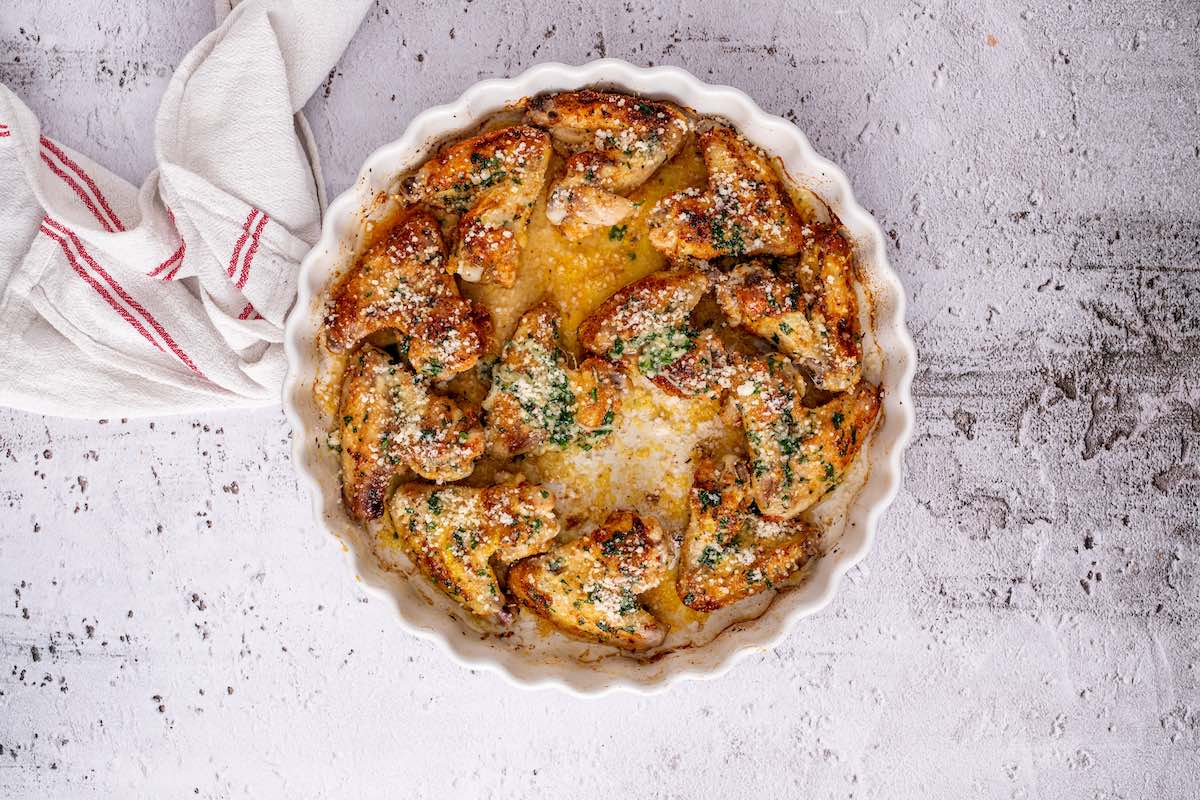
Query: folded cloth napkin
[{"x": 119, "y": 301}]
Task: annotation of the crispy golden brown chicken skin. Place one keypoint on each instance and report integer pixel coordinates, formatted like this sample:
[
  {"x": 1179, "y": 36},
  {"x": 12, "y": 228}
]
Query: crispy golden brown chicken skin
[
  {"x": 797, "y": 454},
  {"x": 808, "y": 309},
  {"x": 646, "y": 325},
  {"x": 456, "y": 535},
  {"x": 745, "y": 210},
  {"x": 730, "y": 551},
  {"x": 703, "y": 369},
  {"x": 661, "y": 300},
  {"x": 616, "y": 143},
  {"x": 401, "y": 284},
  {"x": 492, "y": 182},
  {"x": 390, "y": 421},
  {"x": 537, "y": 401},
  {"x": 589, "y": 588}
]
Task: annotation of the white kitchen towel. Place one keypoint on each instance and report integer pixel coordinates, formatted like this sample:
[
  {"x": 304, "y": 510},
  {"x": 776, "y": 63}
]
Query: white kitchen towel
[{"x": 120, "y": 301}]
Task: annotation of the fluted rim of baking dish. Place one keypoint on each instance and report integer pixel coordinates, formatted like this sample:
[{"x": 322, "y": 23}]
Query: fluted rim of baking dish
[{"x": 343, "y": 219}]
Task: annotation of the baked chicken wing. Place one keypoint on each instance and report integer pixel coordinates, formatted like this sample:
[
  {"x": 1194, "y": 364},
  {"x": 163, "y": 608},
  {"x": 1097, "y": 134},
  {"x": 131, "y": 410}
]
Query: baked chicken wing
[
  {"x": 661, "y": 300},
  {"x": 589, "y": 588},
  {"x": 492, "y": 182},
  {"x": 807, "y": 309},
  {"x": 701, "y": 369},
  {"x": 616, "y": 143},
  {"x": 456, "y": 535},
  {"x": 730, "y": 551},
  {"x": 797, "y": 454},
  {"x": 401, "y": 283},
  {"x": 390, "y": 421},
  {"x": 745, "y": 210},
  {"x": 646, "y": 323},
  {"x": 538, "y": 401}
]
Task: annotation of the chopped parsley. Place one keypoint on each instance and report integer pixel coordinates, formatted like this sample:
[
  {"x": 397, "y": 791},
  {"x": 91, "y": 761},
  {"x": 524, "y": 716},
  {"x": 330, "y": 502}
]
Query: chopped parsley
[
  {"x": 660, "y": 349},
  {"x": 629, "y": 603},
  {"x": 709, "y": 499},
  {"x": 710, "y": 557},
  {"x": 728, "y": 238}
]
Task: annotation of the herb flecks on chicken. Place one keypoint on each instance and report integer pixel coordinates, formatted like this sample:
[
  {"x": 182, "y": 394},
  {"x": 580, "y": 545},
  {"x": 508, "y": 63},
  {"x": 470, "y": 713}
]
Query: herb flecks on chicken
[
  {"x": 744, "y": 211},
  {"x": 797, "y": 454},
  {"x": 589, "y": 588},
  {"x": 615, "y": 143},
  {"x": 390, "y": 421},
  {"x": 730, "y": 551},
  {"x": 457, "y": 535},
  {"x": 492, "y": 182},
  {"x": 537, "y": 401},
  {"x": 647, "y": 325},
  {"x": 806, "y": 307},
  {"x": 401, "y": 284}
]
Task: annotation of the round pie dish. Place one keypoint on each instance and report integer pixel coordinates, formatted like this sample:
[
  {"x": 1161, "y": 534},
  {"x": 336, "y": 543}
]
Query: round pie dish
[{"x": 885, "y": 335}]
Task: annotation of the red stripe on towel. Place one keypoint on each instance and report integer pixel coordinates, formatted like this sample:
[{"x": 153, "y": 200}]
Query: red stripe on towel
[
  {"x": 241, "y": 242},
  {"x": 154, "y": 323},
  {"x": 82, "y": 195},
  {"x": 253, "y": 249},
  {"x": 78, "y": 170},
  {"x": 176, "y": 256},
  {"x": 100, "y": 290}
]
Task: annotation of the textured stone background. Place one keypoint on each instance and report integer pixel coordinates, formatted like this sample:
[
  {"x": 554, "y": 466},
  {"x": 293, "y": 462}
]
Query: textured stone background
[{"x": 171, "y": 623}]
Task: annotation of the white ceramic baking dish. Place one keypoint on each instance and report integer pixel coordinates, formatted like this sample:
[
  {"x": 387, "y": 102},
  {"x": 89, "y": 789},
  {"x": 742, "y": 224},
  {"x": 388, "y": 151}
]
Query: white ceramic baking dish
[{"x": 318, "y": 467}]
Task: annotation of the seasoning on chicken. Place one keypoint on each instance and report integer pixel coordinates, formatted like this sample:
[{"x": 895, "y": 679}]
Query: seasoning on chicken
[
  {"x": 589, "y": 588},
  {"x": 661, "y": 300},
  {"x": 390, "y": 421},
  {"x": 797, "y": 454},
  {"x": 401, "y": 284},
  {"x": 457, "y": 534},
  {"x": 730, "y": 552},
  {"x": 492, "y": 182},
  {"x": 745, "y": 210},
  {"x": 616, "y": 143},
  {"x": 646, "y": 324},
  {"x": 808, "y": 309},
  {"x": 537, "y": 401}
]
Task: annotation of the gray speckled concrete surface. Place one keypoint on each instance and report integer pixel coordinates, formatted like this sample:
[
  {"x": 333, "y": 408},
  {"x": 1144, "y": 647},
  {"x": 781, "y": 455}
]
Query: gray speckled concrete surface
[{"x": 171, "y": 622}]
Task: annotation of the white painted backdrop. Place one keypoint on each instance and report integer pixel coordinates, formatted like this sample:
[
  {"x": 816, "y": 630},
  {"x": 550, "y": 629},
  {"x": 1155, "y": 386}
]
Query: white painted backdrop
[{"x": 171, "y": 622}]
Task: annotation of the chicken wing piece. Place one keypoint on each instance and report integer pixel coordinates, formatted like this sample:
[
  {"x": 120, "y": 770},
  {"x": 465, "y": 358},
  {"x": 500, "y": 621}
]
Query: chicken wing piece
[
  {"x": 492, "y": 182},
  {"x": 808, "y": 309},
  {"x": 657, "y": 302},
  {"x": 391, "y": 421},
  {"x": 798, "y": 454},
  {"x": 745, "y": 211},
  {"x": 703, "y": 369},
  {"x": 538, "y": 401},
  {"x": 646, "y": 323},
  {"x": 455, "y": 534},
  {"x": 589, "y": 588},
  {"x": 401, "y": 283},
  {"x": 616, "y": 142},
  {"x": 729, "y": 551}
]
